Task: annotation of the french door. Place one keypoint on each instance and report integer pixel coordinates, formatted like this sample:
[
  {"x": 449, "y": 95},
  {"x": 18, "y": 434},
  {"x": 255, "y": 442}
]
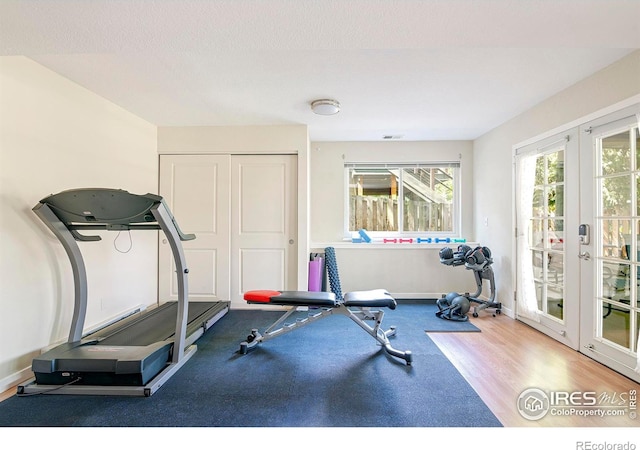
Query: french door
[
  {"x": 547, "y": 282},
  {"x": 610, "y": 196},
  {"x": 577, "y": 238}
]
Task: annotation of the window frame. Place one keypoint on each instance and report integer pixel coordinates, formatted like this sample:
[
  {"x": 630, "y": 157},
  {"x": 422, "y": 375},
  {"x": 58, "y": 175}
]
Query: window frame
[{"x": 456, "y": 208}]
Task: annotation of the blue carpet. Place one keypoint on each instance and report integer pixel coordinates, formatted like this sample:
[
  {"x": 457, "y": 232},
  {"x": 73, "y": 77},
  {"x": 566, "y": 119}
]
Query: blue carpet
[{"x": 328, "y": 374}]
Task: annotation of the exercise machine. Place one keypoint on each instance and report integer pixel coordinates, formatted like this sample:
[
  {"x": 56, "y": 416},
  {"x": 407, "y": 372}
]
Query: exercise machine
[
  {"x": 455, "y": 306},
  {"x": 359, "y": 306},
  {"x": 138, "y": 354}
]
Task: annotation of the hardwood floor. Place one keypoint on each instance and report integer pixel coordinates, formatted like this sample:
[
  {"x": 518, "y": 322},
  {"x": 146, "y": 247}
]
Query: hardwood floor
[{"x": 508, "y": 357}]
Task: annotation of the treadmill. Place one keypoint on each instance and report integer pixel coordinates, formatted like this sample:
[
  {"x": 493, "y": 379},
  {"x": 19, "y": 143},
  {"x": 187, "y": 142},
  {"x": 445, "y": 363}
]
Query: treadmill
[{"x": 138, "y": 354}]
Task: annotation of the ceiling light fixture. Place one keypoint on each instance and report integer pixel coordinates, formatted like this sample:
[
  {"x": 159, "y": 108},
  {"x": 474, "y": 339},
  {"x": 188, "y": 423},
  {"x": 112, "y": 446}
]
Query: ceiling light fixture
[{"x": 325, "y": 107}]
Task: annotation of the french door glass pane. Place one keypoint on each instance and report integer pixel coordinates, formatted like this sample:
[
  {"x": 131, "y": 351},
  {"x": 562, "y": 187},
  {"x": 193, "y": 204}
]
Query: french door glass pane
[
  {"x": 637, "y": 194},
  {"x": 555, "y": 234},
  {"x": 537, "y": 264},
  {"x": 637, "y": 328},
  {"x": 616, "y": 196},
  {"x": 536, "y": 236},
  {"x": 620, "y": 282},
  {"x": 616, "y": 154},
  {"x": 619, "y": 227},
  {"x": 547, "y": 232},
  {"x": 537, "y": 206},
  {"x": 637, "y": 133},
  {"x": 556, "y": 195},
  {"x": 616, "y": 325},
  {"x": 613, "y": 237},
  {"x": 555, "y": 167},
  {"x": 539, "y": 294},
  {"x": 555, "y": 298}
]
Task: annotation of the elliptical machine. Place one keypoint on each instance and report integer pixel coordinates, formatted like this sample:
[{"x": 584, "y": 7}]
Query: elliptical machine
[{"x": 455, "y": 306}]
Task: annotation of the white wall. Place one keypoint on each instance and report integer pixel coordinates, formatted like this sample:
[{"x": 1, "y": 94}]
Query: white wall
[
  {"x": 233, "y": 139},
  {"x": 56, "y": 135},
  {"x": 406, "y": 270},
  {"x": 493, "y": 196}
]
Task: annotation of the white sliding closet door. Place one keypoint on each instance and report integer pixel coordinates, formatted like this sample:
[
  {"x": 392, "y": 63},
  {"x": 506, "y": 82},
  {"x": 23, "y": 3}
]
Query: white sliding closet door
[
  {"x": 243, "y": 211},
  {"x": 197, "y": 190},
  {"x": 263, "y": 224}
]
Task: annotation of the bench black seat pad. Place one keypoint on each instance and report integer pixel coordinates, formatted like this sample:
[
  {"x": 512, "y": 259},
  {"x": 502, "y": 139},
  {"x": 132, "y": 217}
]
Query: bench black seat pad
[
  {"x": 374, "y": 297},
  {"x": 291, "y": 298}
]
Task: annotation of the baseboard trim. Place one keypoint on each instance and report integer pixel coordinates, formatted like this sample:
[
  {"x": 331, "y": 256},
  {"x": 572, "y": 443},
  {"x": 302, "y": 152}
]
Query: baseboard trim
[{"x": 14, "y": 379}]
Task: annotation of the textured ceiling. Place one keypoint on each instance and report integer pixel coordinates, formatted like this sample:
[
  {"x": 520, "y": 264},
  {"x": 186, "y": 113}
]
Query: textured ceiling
[{"x": 430, "y": 69}]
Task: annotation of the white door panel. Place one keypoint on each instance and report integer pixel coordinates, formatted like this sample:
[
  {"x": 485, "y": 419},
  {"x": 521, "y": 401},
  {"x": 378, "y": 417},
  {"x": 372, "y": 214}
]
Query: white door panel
[
  {"x": 264, "y": 225},
  {"x": 196, "y": 188},
  {"x": 262, "y": 204},
  {"x": 262, "y": 269},
  {"x": 202, "y": 272}
]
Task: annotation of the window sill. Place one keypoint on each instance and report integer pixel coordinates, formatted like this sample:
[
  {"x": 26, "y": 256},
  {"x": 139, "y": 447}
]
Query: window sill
[{"x": 391, "y": 246}]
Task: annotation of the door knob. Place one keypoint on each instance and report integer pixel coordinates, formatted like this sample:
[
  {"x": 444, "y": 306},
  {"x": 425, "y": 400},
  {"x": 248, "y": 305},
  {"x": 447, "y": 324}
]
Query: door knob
[{"x": 584, "y": 255}]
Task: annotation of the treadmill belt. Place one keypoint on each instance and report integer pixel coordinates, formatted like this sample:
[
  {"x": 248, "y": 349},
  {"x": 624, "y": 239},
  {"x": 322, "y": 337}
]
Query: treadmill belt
[{"x": 157, "y": 325}]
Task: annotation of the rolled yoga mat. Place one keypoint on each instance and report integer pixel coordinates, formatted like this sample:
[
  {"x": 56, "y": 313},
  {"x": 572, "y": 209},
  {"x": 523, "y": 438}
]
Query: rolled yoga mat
[{"x": 315, "y": 275}]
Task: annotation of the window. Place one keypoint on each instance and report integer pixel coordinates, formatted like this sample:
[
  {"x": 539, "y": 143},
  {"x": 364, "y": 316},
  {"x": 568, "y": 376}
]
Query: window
[{"x": 403, "y": 199}]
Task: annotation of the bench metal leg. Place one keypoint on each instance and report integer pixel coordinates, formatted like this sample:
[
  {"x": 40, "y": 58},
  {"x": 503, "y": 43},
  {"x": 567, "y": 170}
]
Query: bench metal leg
[{"x": 358, "y": 315}]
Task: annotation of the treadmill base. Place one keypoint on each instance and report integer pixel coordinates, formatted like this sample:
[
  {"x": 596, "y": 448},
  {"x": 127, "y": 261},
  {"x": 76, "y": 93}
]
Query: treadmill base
[
  {"x": 89, "y": 369},
  {"x": 30, "y": 387}
]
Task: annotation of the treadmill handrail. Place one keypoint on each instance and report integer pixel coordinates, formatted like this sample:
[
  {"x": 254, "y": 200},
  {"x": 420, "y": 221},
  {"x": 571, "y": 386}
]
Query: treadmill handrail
[
  {"x": 69, "y": 211},
  {"x": 168, "y": 225},
  {"x": 68, "y": 241}
]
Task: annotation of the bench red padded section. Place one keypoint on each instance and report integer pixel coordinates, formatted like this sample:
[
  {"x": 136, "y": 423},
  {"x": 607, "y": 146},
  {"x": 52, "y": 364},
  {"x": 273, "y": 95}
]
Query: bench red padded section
[
  {"x": 260, "y": 296},
  {"x": 292, "y": 298}
]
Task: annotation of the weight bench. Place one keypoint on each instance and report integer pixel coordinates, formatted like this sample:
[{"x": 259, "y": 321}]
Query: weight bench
[{"x": 355, "y": 305}]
